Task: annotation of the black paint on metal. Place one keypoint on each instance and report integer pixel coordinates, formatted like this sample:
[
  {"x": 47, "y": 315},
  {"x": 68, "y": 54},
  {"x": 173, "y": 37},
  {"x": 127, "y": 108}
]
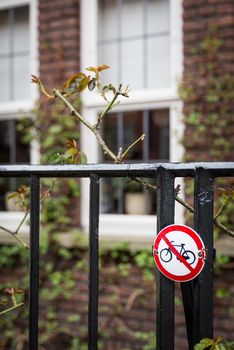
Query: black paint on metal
[
  {"x": 93, "y": 263},
  {"x": 34, "y": 262},
  {"x": 188, "y": 302},
  {"x": 197, "y": 294},
  {"x": 203, "y": 284},
  {"x": 117, "y": 170},
  {"x": 164, "y": 286}
]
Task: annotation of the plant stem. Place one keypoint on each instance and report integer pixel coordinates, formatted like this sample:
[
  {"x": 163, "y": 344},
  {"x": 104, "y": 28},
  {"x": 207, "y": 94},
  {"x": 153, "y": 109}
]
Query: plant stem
[
  {"x": 222, "y": 207},
  {"x": 11, "y": 309},
  {"x": 14, "y": 234},
  {"x": 22, "y": 221},
  {"x": 72, "y": 109},
  {"x": 141, "y": 138},
  {"x": 93, "y": 129},
  {"x": 106, "y": 110}
]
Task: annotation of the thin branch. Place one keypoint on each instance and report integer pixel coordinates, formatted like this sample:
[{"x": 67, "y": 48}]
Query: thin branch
[
  {"x": 11, "y": 309},
  {"x": 93, "y": 129},
  {"x": 146, "y": 184},
  {"x": 22, "y": 221},
  {"x": 106, "y": 110},
  {"x": 224, "y": 228},
  {"x": 222, "y": 207},
  {"x": 105, "y": 148},
  {"x": 141, "y": 138},
  {"x": 15, "y": 235},
  {"x": 48, "y": 192},
  {"x": 72, "y": 109},
  {"x": 184, "y": 204}
]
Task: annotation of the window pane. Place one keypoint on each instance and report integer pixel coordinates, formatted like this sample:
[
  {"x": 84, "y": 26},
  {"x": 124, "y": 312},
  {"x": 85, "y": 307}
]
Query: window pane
[
  {"x": 157, "y": 16},
  {"x": 159, "y": 135},
  {"x": 112, "y": 200},
  {"x": 5, "y": 79},
  {"x": 21, "y": 78},
  {"x": 21, "y": 29},
  {"x": 4, "y": 33},
  {"x": 158, "y": 62},
  {"x": 108, "y": 20},
  {"x": 132, "y": 130},
  {"x": 108, "y": 54},
  {"x": 132, "y": 64},
  {"x": 140, "y": 56},
  {"x": 132, "y": 17},
  {"x": 110, "y": 133},
  {"x": 12, "y": 150}
]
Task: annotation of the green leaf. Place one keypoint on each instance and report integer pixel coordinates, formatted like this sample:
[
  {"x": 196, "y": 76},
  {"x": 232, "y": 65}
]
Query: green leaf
[
  {"x": 205, "y": 343},
  {"x": 83, "y": 84},
  {"x": 83, "y": 158},
  {"x": 70, "y": 153}
]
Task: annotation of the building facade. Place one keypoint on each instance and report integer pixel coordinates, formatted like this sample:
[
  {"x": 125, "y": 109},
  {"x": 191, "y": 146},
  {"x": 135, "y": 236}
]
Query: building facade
[{"x": 161, "y": 48}]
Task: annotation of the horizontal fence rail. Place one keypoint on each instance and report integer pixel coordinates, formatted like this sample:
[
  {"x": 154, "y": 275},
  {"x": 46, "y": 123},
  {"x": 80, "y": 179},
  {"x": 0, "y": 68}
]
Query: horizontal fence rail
[
  {"x": 197, "y": 300},
  {"x": 216, "y": 169}
]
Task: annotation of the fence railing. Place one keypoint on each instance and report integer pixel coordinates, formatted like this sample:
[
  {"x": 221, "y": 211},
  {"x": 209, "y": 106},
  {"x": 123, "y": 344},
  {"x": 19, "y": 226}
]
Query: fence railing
[{"x": 197, "y": 300}]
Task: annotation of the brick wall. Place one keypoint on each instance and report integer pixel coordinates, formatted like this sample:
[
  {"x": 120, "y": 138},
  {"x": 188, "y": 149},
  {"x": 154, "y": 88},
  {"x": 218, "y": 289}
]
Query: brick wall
[
  {"x": 59, "y": 58},
  {"x": 200, "y": 18},
  {"x": 59, "y": 44},
  {"x": 127, "y": 306}
]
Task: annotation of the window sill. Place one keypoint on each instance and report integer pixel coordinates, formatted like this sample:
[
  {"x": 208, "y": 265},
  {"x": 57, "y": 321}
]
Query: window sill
[
  {"x": 11, "y": 220},
  {"x": 137, "y": 230}
]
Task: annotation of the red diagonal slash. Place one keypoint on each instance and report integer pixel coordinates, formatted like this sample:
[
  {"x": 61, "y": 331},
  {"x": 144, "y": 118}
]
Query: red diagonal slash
[{"x": 178, "y": 255}]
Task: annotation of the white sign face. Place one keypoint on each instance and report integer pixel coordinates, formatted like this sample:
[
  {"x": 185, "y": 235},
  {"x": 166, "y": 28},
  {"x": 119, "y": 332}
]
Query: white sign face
[{"x": 179, "y": 253}]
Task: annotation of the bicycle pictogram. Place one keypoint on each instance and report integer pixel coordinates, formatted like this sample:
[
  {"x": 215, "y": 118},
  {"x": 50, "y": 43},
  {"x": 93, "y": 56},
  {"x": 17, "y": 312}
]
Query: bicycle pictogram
[{"x": 166, "y": 254}]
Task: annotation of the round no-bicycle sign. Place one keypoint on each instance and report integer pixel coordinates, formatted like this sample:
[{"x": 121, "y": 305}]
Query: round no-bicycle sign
[{"x": 179, "y": 253}]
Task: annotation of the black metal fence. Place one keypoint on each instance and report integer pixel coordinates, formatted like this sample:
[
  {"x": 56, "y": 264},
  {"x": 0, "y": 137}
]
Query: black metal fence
[{"x": 197, "y": 294}]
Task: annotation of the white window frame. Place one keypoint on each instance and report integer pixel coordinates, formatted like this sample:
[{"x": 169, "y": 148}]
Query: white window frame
[
  {"x": 116, "y": 226},
  {"x": 15, "y": 109}
]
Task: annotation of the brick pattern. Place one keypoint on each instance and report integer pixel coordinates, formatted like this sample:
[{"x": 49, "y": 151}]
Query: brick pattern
[
  {"x": 59, "y": 44},
  {"x": 127, "y": 306},
  {"x": 198, "y": 18},
  {"x": 59, "y": 57}
]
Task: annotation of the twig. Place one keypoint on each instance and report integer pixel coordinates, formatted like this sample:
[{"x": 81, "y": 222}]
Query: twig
[
  {"x": 141, "y": 138},
  {"x": 22, "y": 221},
  {"x": 107, "y": 109},
  {"x": 105, "y": 148},
  {"x": 15, "y": 235},
  {"x": 146, "y": 184},
  {"x": 224, "y": 228},
  {"x": 91, "y": 127},
  {"x": 184, "y": 204},
  {"x": 11, "y": 309},
  {"x": 72, "y": 109},
  {"x": 222, "y": 207},
  {"x": 48, "y": 192}
]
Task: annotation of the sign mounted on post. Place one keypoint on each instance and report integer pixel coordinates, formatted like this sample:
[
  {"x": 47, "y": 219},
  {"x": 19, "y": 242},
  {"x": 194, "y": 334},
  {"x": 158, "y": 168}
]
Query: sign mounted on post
[{"x": 179, "y": 253}]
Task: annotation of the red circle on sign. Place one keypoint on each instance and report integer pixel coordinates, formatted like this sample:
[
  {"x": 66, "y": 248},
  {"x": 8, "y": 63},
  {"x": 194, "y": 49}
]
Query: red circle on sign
[{"x": 182, "y": 260}]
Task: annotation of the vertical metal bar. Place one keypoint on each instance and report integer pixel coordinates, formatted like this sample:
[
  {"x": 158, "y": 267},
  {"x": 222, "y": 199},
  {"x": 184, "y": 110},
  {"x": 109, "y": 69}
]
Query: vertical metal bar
[
  {"x": 34, "y": 262},
  {"x": 93, "y": 263},
  {"x": 187, "y": 296},
  {"x": 203, "y": 284},
  {"x": 165, "y": 287}
]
